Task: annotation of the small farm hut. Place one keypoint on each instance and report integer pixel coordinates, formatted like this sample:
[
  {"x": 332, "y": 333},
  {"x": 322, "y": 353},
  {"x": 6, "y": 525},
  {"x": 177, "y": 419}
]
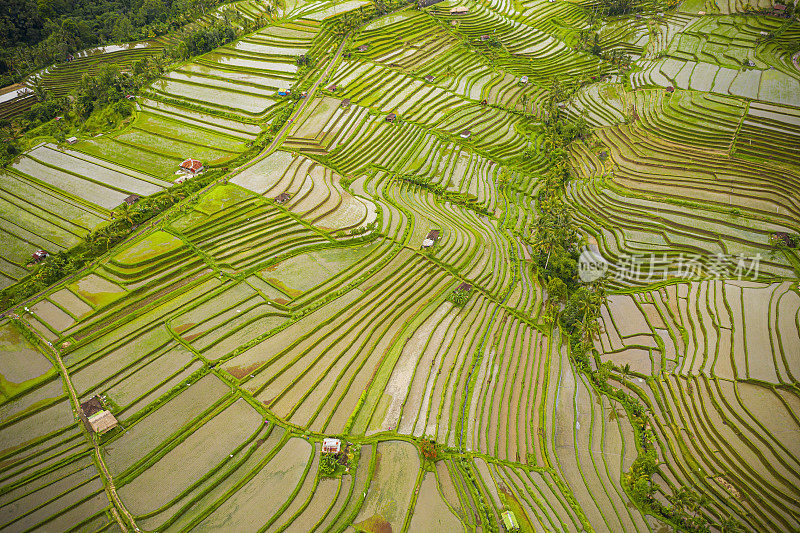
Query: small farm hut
[
  {"x": 779, "y": 10},
  {"x": 132, "y": 199},
  {"x": 459, "y": 10},
  {"x": 72, "y": 140},
  {"x": 91, "y": 406},
  {"x": 331, "y": 445},
  {"x": 432, "y": 237},
  {"x": 466, "y": 134},
  {"x": 102, "y": 421},
  {"x": 39, "y": 255}
]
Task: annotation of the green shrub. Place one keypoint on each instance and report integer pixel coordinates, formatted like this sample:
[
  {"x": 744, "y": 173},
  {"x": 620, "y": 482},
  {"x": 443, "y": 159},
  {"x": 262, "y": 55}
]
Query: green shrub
[
  {"x": 459, "y": 297},
  {"x": 328, "y": 465}
]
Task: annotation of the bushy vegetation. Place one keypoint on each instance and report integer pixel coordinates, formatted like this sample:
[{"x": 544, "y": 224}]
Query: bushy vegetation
[
  {"x": 459, "y": 297},
  {"x": 328, "y": 463},
  {"x": 203, "y": 39},
  {"x": 34, "y": 34},
  {"x": 431, "y": 450}
]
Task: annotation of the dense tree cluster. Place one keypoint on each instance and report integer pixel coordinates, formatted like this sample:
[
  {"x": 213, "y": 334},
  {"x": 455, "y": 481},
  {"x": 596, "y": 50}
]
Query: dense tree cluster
[
  {"x": 37, "y": 33},
  {"x": 206, "y": 38}
]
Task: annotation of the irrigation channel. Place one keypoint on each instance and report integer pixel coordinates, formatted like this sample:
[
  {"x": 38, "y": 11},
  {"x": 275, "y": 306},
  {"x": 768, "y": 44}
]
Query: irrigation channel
[{"x": 463, "y": 417}]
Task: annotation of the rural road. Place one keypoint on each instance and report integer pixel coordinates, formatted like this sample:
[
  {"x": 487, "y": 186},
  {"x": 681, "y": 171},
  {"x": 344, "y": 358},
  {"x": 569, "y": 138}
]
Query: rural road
[
  {"x": 117, "y": 505},
  {"x": 264, "y": 153},
  {"x": 76, "y": 406},
  {"x": 303, "y": 104}
]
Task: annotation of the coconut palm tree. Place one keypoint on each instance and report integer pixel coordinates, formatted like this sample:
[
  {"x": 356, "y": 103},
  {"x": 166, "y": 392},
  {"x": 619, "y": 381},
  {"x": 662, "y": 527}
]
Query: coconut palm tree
[
  {"x": 126, "y": 213},
  {"x": 731, "y": 525},
  {"x": 38, "y": 88},
  {"x": 626, "y": 371}
]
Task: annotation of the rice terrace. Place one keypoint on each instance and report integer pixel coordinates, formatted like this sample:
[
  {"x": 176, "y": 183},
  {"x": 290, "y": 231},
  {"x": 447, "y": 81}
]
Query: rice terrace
[{"x": 382, "y": 266}]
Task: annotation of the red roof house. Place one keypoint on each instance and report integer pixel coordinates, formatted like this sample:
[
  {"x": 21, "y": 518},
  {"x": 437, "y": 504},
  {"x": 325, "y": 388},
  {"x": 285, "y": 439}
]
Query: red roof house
[
  {"x": 192, "y": 166},
  {"x": 39, "y": 255}
]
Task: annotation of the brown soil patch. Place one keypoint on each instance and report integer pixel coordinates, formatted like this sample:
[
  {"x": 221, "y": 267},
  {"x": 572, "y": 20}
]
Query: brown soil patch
[
  {"x": 180, "y": 329},
  {"x": 374, "y": 524},
  {"x": 240, "y": 372}
]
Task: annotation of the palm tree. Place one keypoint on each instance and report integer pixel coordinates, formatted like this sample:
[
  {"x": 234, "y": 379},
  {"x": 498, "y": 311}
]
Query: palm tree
[
  {"x": 626, "y": 371},
  {"x": 92, "y": 238},
  {"x": 100, "y": 235},
  {"x": 731, "y": 525},
  {"x": 125, "y": 213},
  {"x": 591, "y": 330},
  {"x": 39, "y": 90},
  {"x": 170, "y": 194}
]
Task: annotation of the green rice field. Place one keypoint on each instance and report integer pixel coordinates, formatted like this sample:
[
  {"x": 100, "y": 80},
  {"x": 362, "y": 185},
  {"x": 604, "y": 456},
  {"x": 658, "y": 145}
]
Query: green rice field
[{"x": 374, "y": 271}]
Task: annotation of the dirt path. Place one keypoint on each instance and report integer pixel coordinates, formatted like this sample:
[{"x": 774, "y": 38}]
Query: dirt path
[
  {"x": 108, "y": 480},
  {"x": 297, "y": 112},
  {"x": 117, "y": 505},
  {"x": 157, "y": 220}
]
